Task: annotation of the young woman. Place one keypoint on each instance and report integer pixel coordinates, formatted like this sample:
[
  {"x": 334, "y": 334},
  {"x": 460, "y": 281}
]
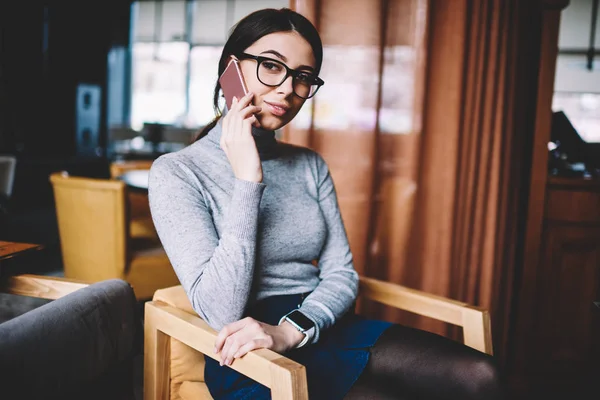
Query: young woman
[{"x": 243, "y": 218}]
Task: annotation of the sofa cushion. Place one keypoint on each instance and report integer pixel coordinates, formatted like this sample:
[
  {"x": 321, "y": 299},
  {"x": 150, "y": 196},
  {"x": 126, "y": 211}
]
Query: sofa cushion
[
  {"x": 73, "y": 345},
  {"x": 194, "y": 391},
  {"x": 187, "y": 364}
]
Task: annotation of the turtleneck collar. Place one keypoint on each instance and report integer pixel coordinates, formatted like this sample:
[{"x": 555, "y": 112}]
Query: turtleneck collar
[{"x": 266, "y": 144}]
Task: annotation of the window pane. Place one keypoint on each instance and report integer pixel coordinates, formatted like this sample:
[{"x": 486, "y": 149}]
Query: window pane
[
  {"x": 583, "y": 111},
  {"x": 203, "y": 76},
  {"x": 572, "y": 74},
  {"x": 143, "y": 25},
  {"x": 241, "y": 8},
  {"x": 576, "y": 21},
  {"x": 348, "y": 98},
  {"x": 398, "y": 90},
  {"x": 159, "y": 72},
  {"x": 162, "y": 21},
  {"x": 210, "y": 22},
  {"x": 173, "y": 20}
]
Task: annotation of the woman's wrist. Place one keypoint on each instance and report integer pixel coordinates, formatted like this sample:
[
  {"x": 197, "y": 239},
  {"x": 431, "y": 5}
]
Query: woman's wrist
[{"x": 293, "y": 336}]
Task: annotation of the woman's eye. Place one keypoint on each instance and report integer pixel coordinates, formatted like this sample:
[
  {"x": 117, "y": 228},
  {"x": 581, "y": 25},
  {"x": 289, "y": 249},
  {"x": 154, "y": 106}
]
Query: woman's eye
[
  {"x": 271, "y": 66},
  {"x": 304, "y": 77}
]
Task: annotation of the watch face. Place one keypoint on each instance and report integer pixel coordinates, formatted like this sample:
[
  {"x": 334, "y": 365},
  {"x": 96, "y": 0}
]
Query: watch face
[{"x": 301, "y": 320}]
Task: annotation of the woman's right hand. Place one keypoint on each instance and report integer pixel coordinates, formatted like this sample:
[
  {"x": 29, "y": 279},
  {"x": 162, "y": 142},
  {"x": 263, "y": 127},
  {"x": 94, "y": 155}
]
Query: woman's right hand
[{"x": 237, "y": 141}]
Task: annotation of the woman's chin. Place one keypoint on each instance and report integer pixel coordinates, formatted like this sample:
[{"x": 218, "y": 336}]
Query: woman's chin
[{"x": 270, "y": 122}]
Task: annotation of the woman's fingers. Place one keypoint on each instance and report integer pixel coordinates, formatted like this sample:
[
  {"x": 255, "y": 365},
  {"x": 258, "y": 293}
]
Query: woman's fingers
[
  {"x": 251, "y": 336},
  {"x": 250, "y": 111},
  {"x": 227, "y": 331},
  {"x": 249, "y": 346},
  {"x": 243, "y": 102},
  {"x": 237, "y": 140},
  {"x": 254, "y": 121}
]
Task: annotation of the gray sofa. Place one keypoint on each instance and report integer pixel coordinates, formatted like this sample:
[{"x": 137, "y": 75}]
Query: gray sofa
[{"x": 80, "y": 346}]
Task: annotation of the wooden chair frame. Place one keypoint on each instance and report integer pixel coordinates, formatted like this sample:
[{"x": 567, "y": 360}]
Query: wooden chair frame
[
  {"x": 43, "y": 287},
  {"x": 287, "y": 378}
]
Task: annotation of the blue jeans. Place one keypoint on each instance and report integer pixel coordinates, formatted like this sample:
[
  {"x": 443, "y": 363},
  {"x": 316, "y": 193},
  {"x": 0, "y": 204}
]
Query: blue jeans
[{"x": 332, "y": 365}]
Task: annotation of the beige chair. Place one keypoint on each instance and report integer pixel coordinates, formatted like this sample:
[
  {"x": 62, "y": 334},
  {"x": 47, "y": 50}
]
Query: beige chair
[
  {"x": 140, "y": 219},
  {"x": 117, "y": 168},
  {"x": 176, "y": 341},
  {"x": 94, "y": 236}
]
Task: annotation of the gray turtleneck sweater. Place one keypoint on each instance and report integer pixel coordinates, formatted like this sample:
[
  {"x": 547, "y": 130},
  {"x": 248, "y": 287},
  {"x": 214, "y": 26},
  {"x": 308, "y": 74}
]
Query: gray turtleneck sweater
[{"x": 234, "y": 242}]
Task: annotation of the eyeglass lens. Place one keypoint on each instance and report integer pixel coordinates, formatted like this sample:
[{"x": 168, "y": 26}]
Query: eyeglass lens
[{"x": 273, "y": 73}]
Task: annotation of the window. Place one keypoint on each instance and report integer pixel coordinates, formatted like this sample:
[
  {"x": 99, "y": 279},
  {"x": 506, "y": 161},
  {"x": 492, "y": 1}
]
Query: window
[
  {"x": 175, "y": 50},
  {"x": 577, "y": 80},
  {"x": 159, "y": 83}
]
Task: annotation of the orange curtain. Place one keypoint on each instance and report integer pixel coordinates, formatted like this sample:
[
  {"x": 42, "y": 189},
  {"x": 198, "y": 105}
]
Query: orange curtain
[
  {"x": 426, "y": 121},
  {"x": 366, "y": 121}
]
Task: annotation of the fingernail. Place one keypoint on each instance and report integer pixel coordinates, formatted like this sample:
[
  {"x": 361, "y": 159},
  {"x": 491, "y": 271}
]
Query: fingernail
[{"x": 228, "y": 362}]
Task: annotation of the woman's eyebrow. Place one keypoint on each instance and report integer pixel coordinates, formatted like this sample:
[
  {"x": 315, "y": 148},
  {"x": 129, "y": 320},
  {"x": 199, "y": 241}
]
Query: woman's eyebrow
[{"x": 284, "y": 58}]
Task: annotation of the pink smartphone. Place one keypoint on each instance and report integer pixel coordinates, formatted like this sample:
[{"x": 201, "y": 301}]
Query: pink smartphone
[{"x": 232, "y": 82}]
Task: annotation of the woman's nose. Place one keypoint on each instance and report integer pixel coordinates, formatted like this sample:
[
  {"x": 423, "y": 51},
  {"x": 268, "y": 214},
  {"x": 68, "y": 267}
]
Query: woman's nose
[{"x": 286, "y": 86}]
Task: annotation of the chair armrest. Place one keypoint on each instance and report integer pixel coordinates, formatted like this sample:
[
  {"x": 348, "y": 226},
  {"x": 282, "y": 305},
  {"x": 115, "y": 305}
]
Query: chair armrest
[
  {"x": 44, "y": 287},
  {"x": 83, "y": 339},
  {"x": 285, "y": 378},
  {"x": 475, "y": 321}
]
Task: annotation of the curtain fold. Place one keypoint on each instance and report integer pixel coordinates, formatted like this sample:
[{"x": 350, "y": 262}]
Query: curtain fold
[
  {"x": 426, "y": 122},
  {"x": 366, "y": 120}
]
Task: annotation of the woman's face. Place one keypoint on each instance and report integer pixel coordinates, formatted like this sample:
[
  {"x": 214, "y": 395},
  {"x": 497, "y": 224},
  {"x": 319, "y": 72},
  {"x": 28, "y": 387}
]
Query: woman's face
[{"x": 279, "y": 104}]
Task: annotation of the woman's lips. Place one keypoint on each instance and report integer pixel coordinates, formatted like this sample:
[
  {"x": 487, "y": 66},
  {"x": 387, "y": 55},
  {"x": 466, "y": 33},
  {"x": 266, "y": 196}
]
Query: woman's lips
[{"x": 275, "y": 109}]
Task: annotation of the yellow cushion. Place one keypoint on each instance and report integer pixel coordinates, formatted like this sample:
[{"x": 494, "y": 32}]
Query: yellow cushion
[
  {"x": 194, "y": 391},
  {"x": 149, "y": 270},
  {"x": 187, "y": 364}
]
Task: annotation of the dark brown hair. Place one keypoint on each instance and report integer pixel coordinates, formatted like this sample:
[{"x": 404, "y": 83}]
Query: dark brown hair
[{"x": 253, "y": 27}]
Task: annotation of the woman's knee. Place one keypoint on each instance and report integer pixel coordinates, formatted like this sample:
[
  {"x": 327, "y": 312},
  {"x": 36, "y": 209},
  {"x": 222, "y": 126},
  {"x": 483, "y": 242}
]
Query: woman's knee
[
  {"x": 423, "y": 362},
  {"x": 483, "y": 379}
]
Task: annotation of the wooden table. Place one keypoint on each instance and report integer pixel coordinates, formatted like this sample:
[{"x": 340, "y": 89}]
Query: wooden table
[{"x": 11, "y": 249}]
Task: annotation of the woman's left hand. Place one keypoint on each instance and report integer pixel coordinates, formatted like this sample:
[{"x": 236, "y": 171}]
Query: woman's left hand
[{"x": 240, "y": 337}]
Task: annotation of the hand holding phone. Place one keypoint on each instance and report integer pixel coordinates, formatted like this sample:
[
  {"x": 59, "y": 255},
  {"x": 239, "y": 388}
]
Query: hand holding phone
[
  {"x": 232, "y": 82},
  {"x": 236, "y": 138}
]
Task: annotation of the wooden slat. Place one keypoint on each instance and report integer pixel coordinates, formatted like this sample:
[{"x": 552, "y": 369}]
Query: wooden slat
[
  {"x": 157, "y": 354},
  {"x": 44, "y": 287},
  {"x": 477, "y": 330},
  {"x": 285, "y": 377},
  {"x": 412, "y": 300},
  {"x": 475, "y": 321},
  {"x": 288, "y": 380}
]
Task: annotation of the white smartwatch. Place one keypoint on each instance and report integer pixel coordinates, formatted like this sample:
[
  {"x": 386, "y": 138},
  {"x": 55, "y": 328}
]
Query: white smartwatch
[{"x": 300, "y": 322}]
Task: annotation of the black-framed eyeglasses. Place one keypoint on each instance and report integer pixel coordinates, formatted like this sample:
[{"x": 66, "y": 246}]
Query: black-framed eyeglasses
[{"x": 273, "y": 73}]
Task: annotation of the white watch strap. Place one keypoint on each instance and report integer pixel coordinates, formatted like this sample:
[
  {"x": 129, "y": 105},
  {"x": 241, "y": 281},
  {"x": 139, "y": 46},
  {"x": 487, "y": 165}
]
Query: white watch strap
[
  {"x": 307, "y": 334},
  {"x": 304, "y": 341}
]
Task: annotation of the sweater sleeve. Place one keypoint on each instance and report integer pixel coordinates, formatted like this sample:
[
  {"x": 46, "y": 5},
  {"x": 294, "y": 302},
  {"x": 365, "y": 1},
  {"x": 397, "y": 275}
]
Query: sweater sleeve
[
  {"x": 216, "y": 272},
  {"x": 338, "y": 287}
]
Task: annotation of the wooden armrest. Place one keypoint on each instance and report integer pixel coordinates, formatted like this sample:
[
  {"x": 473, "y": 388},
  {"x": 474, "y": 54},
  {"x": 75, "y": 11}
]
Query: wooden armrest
[
  {"x": 475, "y": 321},
  {"x": 44, "y": 287},
  {"x": 285, "y": 378}
]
